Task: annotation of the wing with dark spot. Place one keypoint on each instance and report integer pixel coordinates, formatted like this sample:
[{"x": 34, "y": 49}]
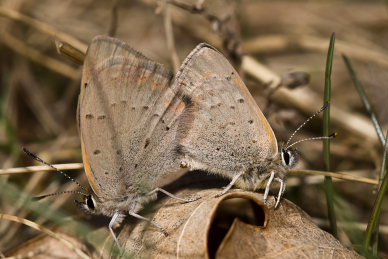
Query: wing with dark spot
[{"x": 223, "y": 129}]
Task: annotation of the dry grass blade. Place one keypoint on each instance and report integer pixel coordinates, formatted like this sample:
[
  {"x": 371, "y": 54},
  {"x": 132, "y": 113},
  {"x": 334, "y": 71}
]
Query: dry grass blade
[
  {"x": 46, "y": 231},
  {"x": 279, "y": 42},
  {"x": 40, "y": 168},
  {"x": 79, "y": 166},
  {"x": 43, "y": 27},
  {"x": 20, "y": 47},
  {"x": 336, "y": 175}
]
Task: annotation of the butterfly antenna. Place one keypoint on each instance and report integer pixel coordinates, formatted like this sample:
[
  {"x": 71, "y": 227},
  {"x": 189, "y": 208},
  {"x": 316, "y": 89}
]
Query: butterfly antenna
[
  {"x": 37, "y": 198},
  {"x": 331, "y": 136},
  {"x": 324, "y": 107},
  {"x": 53, "y": 167}
]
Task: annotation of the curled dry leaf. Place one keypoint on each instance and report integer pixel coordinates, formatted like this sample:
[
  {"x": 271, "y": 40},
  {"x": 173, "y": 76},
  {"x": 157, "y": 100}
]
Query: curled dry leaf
[{"x": 236, "y": 225}]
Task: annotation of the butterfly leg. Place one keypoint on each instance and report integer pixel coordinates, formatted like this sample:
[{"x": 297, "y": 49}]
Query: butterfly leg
[
  {"x": 269, "y": 182},
  {"x": 230, "y": 185},
  {"x": 116, "y": 217},
  {"x": 133, "y": 214},
  {"x": 172, "y": 195},
  {"x": 281, "y": 190}
]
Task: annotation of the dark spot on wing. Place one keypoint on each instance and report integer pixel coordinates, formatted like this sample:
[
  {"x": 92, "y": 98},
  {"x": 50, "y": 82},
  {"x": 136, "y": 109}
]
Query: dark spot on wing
[
  {"x": 145, "y": 107},
  {"x": 147, "y": 142},
  {"x": 187, "y": 100},
  {"x": 218, "y": 149},
  {"x": 123, "y": 102},
  {"x": 106, "y": 173},
  {"x": 101, "y": 117},
  {"x": 232, "y": 107},
  {"x": 219, "y": 104},
  {"x": 228, "y": 78},
  {"x": 96, "y": 152},
  {"x": 156, "y": 115},
  {"x": 167, "y": 128},
  {"x": 136, "y": 166},
  {"x": 113, "y": 104},
  {"x": 133, "y": 108},
  {"x": 179, "y": 149},
  {"x": 241, "y": 100},
  {"x": 85, "y": 85},
  {"x": 89, "y": 116},
  {"x": 250, "y": 121},
  {"x": 120, "y": 169},
  {"x": 118, "y": 152}
]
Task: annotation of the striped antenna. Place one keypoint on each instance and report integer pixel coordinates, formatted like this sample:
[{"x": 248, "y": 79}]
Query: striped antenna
[
  {"x": 333, "y": 135},
  {"x": 56, "y": 169},
  {"x": 37, "y": 198},
  {"x": 324, "y": 107}
]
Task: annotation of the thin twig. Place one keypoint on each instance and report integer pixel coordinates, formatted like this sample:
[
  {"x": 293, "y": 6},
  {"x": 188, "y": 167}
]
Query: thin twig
[
  {"x": 114, "y": 17},
  {"x": 170, "y": 37},
  {"x": 70, "y": 52}
]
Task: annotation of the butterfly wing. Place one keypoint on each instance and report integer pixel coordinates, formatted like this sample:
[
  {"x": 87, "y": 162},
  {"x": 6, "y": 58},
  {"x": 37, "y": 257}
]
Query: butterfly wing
[
  {"x": 223, "y": 130},
  {"x": 125, "y": 130}
]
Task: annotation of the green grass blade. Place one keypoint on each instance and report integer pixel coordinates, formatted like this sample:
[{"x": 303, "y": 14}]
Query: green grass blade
[
  {"x": 328, "y": 183},
  {"x": 364, "y": 98},
  {"x": 373, "y": 224}
]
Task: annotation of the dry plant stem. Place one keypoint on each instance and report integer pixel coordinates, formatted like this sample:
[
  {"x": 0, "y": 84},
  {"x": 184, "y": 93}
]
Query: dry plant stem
[
  {"x": 114, "y": 17},
  {"x": 43, "y": 27},
  {"x": 308, "y": 102},
  {"x": 270, "y": 43},
  {"x": 170, "y": 37},
  {"x": 46, "y": 231},
  {"x": 31, "y": 53},
  {"x": 40, "y": 168},
  {"x": 70, "y": 52},
  {"x": 341, "y": 176},
  {"x": 79, "y": 166}
]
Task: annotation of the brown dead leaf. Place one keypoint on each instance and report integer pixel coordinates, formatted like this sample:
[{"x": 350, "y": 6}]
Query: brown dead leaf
[
  {"x": 47, "y": 247},
  {"x": 236, "y": 225}
]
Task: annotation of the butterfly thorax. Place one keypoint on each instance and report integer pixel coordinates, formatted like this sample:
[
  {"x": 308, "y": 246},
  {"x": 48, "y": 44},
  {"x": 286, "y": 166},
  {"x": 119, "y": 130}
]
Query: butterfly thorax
[{"x": 257, "y": 173}]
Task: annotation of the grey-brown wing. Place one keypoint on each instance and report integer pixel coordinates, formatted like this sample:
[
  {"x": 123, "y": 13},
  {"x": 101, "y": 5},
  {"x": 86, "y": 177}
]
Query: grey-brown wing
[
  {"x": 223, "y": 130},
  {"x": 125, "y": 130}
]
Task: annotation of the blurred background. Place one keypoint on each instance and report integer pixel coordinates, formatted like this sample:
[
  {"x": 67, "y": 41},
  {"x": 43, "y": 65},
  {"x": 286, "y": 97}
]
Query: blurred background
[{"x": 39, "y": 89}]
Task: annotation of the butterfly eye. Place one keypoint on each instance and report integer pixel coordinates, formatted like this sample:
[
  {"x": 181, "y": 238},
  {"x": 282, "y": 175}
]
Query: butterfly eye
[
  {"x": 90, "y": 202},
  {"x": 289, "y": 157}
]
